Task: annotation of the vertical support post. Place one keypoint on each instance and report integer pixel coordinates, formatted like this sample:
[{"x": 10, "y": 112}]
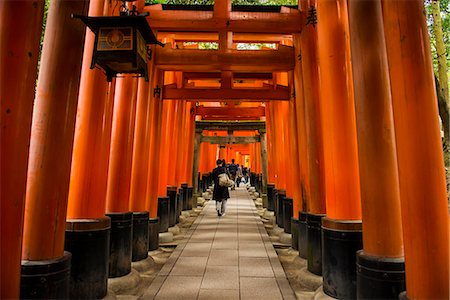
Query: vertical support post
[
  {"x": 88, "y": 177},
  {"x": 155, "y": 142},
  {"x": 310, "y": 72},
  {"x": 140, "y": 157},
  {"x": 419, "y": 151},
  {"x": 263, "y": 141},
  {"x": 377, "y": 157},
  {"x": 52, "y": 133},
  {"x": 119, "y": 176},
  {"x": 197, "y": 142},
  {"x": 20, "y": 32},
  {"x": 51, "y": 152},
  {"x": 342, "y": 227}
]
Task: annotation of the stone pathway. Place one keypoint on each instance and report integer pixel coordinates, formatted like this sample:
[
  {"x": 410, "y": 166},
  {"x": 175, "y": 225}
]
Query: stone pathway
[{"x": 228, "y": 257}]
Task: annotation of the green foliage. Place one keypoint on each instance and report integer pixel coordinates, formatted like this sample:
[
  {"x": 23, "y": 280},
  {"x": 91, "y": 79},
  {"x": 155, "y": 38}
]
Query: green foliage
[{"x": 445, "y": 15}]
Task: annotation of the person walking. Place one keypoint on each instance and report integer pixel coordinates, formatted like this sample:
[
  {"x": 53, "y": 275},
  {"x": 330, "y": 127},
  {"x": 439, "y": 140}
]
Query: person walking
[
  {"x": 232, "y": 170},
  {"x": 220, "y": 193}
]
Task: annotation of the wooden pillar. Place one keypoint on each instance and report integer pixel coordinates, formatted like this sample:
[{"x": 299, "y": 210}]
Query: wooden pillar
[
  {"x": 338, "y": 112},
  {"x": 167, "y": 130},
  {"x": 52, "y": 133},
  {"x": 303, "y": 149},
  {"x": 141, "y": 144},
  {"x": 197, "y": 142},
  {"x": 310, "y": 74},
  {"x": 377, "y": 153},
  {"x": 88, "y": 177},
  {"x": 155, "y": 145},
  {"x": 190, "y": 142},
  {"x": 119, "y": 173},
  {"x": 263, "y": 141},
  {"x": 419, "y": 151},
  {"x": 294, "y": 163},
  {"x": 20, "y": 31},
  {"x": 342, "y": 189},
  {"x": 181, "y": 143}
]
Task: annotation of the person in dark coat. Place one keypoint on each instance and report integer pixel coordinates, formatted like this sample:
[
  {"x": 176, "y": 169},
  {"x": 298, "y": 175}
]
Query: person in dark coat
[{"x": 220, "y": 193}]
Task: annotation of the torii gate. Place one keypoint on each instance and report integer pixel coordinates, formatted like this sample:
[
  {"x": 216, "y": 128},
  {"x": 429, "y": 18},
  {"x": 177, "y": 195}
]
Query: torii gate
[{"x": 230, "y": 127}]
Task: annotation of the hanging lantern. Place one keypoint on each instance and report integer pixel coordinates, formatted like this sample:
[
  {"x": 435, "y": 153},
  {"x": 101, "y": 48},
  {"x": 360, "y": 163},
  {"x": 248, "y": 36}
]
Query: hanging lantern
[{"x": 121, "y": 42}]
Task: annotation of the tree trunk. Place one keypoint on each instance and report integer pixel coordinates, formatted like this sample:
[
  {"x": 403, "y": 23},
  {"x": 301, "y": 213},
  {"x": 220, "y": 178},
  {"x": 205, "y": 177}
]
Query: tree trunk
[{"x": 440, "y": 51}]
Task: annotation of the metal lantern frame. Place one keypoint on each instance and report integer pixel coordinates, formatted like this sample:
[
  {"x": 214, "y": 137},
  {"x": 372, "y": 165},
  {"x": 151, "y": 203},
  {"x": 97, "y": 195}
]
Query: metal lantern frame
[{"x": 132, "y": 59}]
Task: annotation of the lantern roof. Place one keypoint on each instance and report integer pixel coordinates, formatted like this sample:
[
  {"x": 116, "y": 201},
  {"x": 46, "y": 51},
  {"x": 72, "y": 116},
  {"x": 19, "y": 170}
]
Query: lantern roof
[{"x": 139, "y": 21}]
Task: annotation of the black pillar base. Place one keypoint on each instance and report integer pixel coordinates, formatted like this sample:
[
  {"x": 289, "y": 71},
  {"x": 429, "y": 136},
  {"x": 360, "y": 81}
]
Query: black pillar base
[
  {"x": 379, "y": 277},
  {"x": 287, "y": 214},
  {"x": 163, "y": 213},
  {"x": 271, "y": 196},
  {"x": 341, "y": 239},
  {"x": 279, "y": 207},
  {"x": 184, "y": 187},
  {"x": 153, "y": 234},
  {"x": 88, "y": 241},
  {"x": 172, "y": 194},
  {"x": 294, "y": 232},
  {"x": 120, "y": 243},
  {"x": 190, "y": 198},
  {"x": 45, "y": 279},
  {"x": 314, "y": 247},
  {"x": 140, "y": 236},
  {"x": 302, "y": 235}
]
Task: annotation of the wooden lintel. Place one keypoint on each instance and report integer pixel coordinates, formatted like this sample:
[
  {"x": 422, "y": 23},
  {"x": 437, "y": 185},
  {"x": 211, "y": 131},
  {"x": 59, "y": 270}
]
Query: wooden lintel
[
  {"x": 230, "y": 112},
  {"x": 214, "y": 37},
  {"x": 217, "y": 75},
  {"x": 230, "y": 125},
  {"x": 196, "y": 94},
  {"x": 222, "y": 140},
  {"x": 204, "y": 21},
  {"x": 249, "y": 61}
]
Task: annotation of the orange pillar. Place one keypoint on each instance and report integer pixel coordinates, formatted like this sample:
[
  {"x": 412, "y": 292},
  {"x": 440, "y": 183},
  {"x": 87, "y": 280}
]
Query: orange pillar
[
  {"x": 88, "y": 177},
  {"x": 119, "y": 173},
  {"x": 181, "y": 144},
  {"x": 301, "y": 127},
  {"x": 155, "y": 143},
  {"x": 140, "y": 160},
  {"x": 294, "y": 164},
  {"x": 311, "y": 82},
  {"x": 52, "y": 133},
  {"x": 338, "y": 112},
  {"x": 377, "y": 154},
  {"x": 167, "y": 130},
  {"x": 340, "y": 151},
  {"x": 190, "y": 143},
  {"x": 20, "y": 31},
  {"x": 423, "y": 194}
]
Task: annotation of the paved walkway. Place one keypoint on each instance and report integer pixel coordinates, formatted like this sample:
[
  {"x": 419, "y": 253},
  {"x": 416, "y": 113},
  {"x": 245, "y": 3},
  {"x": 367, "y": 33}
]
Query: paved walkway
[{"x": 228, "y": 257}]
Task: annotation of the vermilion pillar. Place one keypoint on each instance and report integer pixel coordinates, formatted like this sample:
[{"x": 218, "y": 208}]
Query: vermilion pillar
[
  {"x": 19, "y": 51},
  {"x": 88, "y": 178},
  {"x": 52, "y": 133},
  {"x": 341, "y": 229},
  {"x": 423, "y": 194},
  {"x": 303, "y": 149},
  {"x": 51, "y": 144},
  {"x": 89, "y": 169},
  {"x": 119, "y": 173},
  {"x": 301, "y": 125},
  {"x": 382, "y": 234},
  {"x": 155, "y": 142},
  {"x": 140, "y": 160},
  {"x": 310, "y": 72},
  {"x": 119, "y": 176}
]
